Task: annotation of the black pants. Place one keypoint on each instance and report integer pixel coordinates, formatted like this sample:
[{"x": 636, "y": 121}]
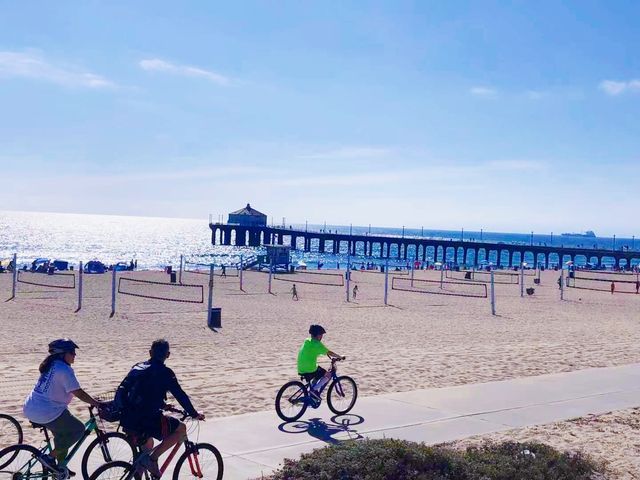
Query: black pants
[{"x": 314, "y": 376}]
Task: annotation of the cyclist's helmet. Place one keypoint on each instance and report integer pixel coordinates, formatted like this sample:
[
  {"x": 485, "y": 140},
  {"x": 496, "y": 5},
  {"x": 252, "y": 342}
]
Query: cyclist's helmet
[
  {"x": 62, "y": 345},
  {"x": 315, "y": 330}
]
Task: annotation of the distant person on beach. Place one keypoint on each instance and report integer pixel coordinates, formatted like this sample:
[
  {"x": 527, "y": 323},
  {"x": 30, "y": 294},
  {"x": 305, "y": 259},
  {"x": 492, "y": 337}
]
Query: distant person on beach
[
  {"x": 613, "y": 287},
  {"x": 560, "y": 282},
  {"x": 224, "y": 271},
  {"x": 47, "y": 403},
  {"x": 355, "y": 291},
  {"x": 294, "y": 292},
  {"x": 637, "y": 287},
  {"x": 308, "y": 355}
]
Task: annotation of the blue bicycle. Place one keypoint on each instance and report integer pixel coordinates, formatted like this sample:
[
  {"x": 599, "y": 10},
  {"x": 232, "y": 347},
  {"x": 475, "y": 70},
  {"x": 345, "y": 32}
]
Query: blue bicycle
[{"x": 294, "y": 397}]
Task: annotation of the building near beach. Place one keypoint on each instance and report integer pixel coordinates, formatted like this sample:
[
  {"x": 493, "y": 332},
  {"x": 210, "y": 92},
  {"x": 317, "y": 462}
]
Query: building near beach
[{"x": 248, "y": 216}]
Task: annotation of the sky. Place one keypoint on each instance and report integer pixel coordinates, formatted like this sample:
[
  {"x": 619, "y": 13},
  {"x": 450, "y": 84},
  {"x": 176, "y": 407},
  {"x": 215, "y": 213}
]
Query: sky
[{"x": 507, "y": 116}]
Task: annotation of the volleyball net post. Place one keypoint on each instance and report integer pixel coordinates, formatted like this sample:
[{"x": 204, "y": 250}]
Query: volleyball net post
[
  {"x": 348, "y": 275},
  {"x": 79, "y": 287},
  {"x": 113, "y": 293},
  {"x": 413, "y": 268},
  {"x": 181, "y": 268},
  {"x": 561, "y": 283},
  {"x": 14, "y": 281},
  {"x": 210, "y": 300},
  {"x": 270, "y": 272},
  {"x": 241, "y": 272},
  {"x": 493, "y": 295},
  {"x": 521, "y": 279},
  {"x": 442, "y": 275},
  {"x": 386, "y": 281}
]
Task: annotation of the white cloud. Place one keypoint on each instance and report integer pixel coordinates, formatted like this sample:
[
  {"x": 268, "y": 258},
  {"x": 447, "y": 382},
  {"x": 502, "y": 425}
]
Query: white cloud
[
  {"x": 481, "y": 91},
  {"x": 535, "y": 94},
  {"x": 157, "y": 65},
  {"x": 32, "y": 65},
  {"x": 521, "y": 165},
  {"x": 614, "y": 88},
  {"x": 355, "y": 152}
]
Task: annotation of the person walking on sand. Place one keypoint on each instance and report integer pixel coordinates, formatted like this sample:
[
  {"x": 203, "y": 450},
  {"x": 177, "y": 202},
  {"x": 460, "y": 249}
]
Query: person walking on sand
[
  {"x": 637, "y": 287},
  {"x": 224, "y": 271},
  {"x": 294, "y": 292},
  {"x": 355, "y": 291},
  {"x": 613, "y": 287}
]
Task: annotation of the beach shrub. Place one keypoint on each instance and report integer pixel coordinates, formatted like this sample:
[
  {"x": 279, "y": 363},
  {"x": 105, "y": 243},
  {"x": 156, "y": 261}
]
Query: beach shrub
[{"x": 398, "y": 460}]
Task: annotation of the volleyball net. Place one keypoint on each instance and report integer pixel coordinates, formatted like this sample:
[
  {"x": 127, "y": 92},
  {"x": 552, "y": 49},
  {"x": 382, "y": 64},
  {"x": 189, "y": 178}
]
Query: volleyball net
[
  {"x": 482, "y": 276},
  {"x": 312, "y": 278},
  {"x": 596, "y": 275},
  {"x": 219, "y": 270},
  {"x": 170, "y": 292},
  {"x": 620, "y": 285},
  {"x": 392, "y": 271},
  {"x": 456, "y": 289},
  {"x": 55, "y": 280}
]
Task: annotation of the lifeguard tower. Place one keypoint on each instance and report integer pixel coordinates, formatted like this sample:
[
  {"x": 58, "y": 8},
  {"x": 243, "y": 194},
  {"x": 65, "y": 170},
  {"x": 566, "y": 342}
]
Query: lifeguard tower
[{"x": 278, "y": 256}]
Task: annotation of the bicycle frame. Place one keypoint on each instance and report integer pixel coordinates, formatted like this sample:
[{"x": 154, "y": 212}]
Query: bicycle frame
[
  {"x": 90, "y": 426},
  {"x": 194, "y": 464}
]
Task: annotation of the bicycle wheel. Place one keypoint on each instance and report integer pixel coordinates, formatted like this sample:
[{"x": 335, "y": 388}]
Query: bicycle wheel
[
  {"x": 10, "y": 434},
  {"x": 106, "y": 448},
  {"x": 21, "y": 462},
  {"x": 291, "y": 401},
  {"x": 117, "y": 470},
  {"x": 204, "y": 461},
  {"x": 342, "y": 395}
]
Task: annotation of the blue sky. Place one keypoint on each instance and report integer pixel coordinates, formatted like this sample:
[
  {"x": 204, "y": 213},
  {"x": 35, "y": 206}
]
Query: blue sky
[{"x": 511, "y": 116}]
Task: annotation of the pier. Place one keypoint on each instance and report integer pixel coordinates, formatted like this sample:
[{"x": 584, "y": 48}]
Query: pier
[{"x": 410, "y": 248}]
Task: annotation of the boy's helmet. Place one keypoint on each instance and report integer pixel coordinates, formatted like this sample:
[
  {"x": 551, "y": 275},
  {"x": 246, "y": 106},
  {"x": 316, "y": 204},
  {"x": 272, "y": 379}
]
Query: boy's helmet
[
  {"x": 315, "y": 330},
  {"x": 62, "y": 345}
]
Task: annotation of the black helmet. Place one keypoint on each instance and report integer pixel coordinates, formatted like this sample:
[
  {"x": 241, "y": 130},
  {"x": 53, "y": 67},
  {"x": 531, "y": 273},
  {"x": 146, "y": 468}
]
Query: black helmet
[
  {"x": 315, "y": 330},
  {"x": 62, "y": 345}
]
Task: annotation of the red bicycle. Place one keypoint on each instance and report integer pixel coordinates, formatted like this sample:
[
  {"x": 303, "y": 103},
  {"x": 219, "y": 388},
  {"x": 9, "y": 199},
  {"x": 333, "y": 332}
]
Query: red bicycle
[{"x": 199, "y": 460}]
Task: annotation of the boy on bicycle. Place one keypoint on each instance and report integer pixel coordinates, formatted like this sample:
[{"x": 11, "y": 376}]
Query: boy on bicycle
[{"x": 308, "y": 355}]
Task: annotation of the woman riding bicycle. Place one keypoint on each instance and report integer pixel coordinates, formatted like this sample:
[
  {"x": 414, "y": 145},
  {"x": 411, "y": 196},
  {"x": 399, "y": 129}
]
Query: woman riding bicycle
[
  {"x": 308, "y": 355},
  {"x": 47, "y": 403}
]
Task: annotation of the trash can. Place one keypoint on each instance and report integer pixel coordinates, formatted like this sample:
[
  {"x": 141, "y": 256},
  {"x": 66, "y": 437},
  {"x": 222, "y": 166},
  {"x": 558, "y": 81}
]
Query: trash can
[
  {"x": 536, "y": 281},
  {"x": 292, "y": 269},
  {"x": 530, "y": 291},
  {"x": 168, "y": 269},
  {"x": 173, "y": 277},
  {"x": 467, "y": 276},
  {"x": 215, "y": 318},
  {"x": 381, "y": 268}
]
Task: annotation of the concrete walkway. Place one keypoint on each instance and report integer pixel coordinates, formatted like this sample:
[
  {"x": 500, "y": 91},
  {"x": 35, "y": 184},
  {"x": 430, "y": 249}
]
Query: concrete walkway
[{"x": 255, "y": 444}]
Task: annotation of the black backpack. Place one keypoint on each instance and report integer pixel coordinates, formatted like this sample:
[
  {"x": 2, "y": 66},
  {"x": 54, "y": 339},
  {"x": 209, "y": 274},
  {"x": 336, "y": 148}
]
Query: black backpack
[{"x": 130, "y": 395}]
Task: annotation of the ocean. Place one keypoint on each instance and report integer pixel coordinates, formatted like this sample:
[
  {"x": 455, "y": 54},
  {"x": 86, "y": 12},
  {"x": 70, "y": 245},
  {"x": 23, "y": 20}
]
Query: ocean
[{"x": 157, "y": 242}]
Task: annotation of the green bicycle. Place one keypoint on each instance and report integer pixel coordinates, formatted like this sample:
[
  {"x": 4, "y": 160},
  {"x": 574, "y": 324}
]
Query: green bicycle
[{"x": 25, "y": 462}]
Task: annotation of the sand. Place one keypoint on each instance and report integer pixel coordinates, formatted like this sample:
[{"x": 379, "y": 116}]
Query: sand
[
  {"x": 612, "y": 438},
  {"x": 420, "y": 340}
]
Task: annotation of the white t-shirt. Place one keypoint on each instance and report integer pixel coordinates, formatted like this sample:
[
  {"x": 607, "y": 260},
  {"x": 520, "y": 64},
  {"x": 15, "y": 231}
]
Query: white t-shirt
[{"x": 51, "y": 395}]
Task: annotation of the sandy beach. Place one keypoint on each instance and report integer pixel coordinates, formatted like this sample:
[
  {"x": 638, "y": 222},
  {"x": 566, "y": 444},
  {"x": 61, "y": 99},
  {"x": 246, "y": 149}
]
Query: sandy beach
[{"x": 418, "y": 341}]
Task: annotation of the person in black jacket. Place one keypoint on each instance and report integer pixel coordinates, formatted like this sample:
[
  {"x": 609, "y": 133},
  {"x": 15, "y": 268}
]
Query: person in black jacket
[{"x": 143, "y": 394}]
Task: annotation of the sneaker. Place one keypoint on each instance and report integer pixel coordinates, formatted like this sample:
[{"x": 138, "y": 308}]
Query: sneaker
[{"x": 150, "y": 464}]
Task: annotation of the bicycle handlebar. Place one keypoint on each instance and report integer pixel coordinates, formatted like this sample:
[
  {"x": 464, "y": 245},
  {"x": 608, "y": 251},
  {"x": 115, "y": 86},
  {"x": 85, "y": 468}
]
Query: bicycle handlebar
[{"x": 183, "y": 413}]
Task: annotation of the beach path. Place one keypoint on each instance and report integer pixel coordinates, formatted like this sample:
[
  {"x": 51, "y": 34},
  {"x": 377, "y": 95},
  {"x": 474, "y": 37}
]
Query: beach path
[{"x": 255, "y": 444}]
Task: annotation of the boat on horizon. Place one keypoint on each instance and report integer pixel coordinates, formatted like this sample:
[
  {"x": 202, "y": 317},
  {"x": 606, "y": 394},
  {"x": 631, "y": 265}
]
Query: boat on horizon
[{"x": 588, "y": 233}]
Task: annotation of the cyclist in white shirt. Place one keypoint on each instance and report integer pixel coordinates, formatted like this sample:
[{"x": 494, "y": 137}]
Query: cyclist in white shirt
[{"x": 47, "y": 403}]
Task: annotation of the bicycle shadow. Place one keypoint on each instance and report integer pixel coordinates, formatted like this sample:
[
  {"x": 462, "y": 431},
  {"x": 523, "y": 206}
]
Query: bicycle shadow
[{"x": 337, "y": 430}]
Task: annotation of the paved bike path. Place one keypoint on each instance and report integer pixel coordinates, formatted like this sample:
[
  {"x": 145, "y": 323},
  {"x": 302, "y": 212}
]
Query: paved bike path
[{"x": 255, "y": 444}]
